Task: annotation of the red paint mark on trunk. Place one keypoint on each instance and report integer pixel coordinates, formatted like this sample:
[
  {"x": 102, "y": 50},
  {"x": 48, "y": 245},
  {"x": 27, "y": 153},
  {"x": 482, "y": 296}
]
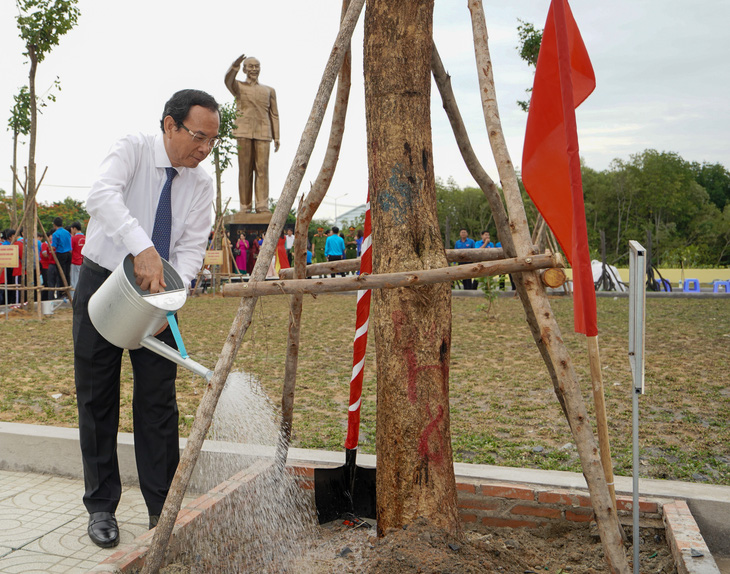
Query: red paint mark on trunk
[{"x": 432, "y": 433}]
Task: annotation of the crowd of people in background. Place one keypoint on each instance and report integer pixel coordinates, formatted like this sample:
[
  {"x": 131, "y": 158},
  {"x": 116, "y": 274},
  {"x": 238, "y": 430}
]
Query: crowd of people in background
[
  {"x": 347, "y": 245},
  {"x": 66, "y": 244},
  {"x": 330, "y": 244}
]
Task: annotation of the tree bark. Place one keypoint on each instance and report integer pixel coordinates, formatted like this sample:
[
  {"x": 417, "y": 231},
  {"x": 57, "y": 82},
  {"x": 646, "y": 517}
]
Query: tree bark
[{"x": 412, "y": 326}]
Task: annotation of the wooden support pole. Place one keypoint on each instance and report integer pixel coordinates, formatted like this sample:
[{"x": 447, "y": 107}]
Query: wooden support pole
[
  {"x": 594, "y": 357},
  {"x": 305, "y": 213},
  {"x": 553, "y": 277},
  {"x": 543, "y": 324},
  {"x": 352, "y": 265},
  {"x": 394, "y": 280},
  {"x": 244, "y": 316}
]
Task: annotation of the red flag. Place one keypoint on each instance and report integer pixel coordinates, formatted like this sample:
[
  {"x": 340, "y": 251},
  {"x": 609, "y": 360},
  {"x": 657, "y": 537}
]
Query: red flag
[{"x": 550, "y": 158}]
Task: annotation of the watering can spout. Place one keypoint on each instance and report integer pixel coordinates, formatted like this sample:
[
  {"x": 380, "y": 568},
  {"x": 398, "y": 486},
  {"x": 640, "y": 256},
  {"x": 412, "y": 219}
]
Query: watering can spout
[{"x": 160, "y": 348}]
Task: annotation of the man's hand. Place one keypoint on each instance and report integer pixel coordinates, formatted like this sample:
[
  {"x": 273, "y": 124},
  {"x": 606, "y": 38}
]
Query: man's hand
[
  {"x": 149, "y": 272},
  {"x": 239, "y": 60},
  {"x": 276, "y": 146}
]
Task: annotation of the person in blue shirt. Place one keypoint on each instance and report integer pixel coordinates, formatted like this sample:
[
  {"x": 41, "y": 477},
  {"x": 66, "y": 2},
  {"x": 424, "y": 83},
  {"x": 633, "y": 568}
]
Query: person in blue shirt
[
  {"x": 465, "y": 242},
  {"x": 334, "y": 247},
  {"x": 61, "y": 244},
  {"x": 486, "y": 240}
]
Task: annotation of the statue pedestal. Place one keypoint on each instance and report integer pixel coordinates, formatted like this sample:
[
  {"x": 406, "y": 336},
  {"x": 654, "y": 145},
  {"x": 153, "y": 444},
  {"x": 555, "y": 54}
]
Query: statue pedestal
[{"x": 258, "y": 219}]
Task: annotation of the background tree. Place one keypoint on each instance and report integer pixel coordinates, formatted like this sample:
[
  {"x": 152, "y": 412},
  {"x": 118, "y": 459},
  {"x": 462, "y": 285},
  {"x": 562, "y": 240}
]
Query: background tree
[
  {"x": 529, "y": 48},
  {"x": 462, "y": 207},
  {"x": 223, "y": 155},
  {"x": 412, "y": 326},
  {"x": 41, "y": 24},
  {"x": 716, "y": 181},
  {"x": 18, "y": 124}
]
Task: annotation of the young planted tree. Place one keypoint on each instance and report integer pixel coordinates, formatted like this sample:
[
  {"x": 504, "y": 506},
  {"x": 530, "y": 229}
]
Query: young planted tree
[
  {"x": 41, "y": 24},
  {"x": 19, "y": 124},
  {"x": 223, "y": 154},
  {"x": 412, "y": 326}
]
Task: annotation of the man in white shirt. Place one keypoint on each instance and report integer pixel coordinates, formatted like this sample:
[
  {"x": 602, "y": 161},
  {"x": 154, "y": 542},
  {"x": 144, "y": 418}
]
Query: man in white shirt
[
  {"x": 289, "y": 243},
  {"x": 151, "y": 200}
]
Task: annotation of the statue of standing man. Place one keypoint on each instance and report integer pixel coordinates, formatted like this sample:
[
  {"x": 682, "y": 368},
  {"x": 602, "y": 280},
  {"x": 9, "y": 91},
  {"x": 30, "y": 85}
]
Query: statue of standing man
[{"x": 257, "y": 123}]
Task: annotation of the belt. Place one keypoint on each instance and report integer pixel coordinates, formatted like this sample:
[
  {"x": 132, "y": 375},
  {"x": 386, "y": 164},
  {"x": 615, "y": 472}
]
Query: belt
[{"x": 95, "y": 267}]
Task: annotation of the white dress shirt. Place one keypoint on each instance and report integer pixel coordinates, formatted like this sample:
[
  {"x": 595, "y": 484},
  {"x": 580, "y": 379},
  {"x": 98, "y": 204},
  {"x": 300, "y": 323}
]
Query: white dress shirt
[{"x": 123, "y": 201}]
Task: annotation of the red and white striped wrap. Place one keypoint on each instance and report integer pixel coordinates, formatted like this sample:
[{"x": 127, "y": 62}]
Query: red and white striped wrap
[{"x": 361, "y": 339}]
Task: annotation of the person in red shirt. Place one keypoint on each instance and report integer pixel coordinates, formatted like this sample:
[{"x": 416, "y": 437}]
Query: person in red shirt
[
  {"x": 77, "y": 243},
  {"x": 45, "y": 262},
  {"x": 18, "y": 271}
]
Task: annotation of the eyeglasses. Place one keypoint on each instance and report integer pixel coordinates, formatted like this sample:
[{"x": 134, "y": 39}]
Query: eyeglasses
[{"x": 199, "y": 139}]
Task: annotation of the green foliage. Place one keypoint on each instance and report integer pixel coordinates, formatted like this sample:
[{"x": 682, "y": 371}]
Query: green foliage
[
  {"x": 19, "y": 120},
  {"x": 43, "y": 22},
  {"x": 716, "y": 181},
  {"x": 69, "y": 209},
  {"x": 661, "y": 193},
  {"x": 291, "y": 217},
  {"x": 489, "y": 286},
  {"x": 457, "y": 208},
  {"x": 356, "y": 222},
  {"x": 529, "y": 48},
  {"x": 657, "y": 192},
  {"x": 223, "y": 155}
]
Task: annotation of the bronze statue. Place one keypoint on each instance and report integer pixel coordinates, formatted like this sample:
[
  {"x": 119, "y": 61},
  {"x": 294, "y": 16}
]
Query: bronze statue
[{"x": 256, "y": 125}]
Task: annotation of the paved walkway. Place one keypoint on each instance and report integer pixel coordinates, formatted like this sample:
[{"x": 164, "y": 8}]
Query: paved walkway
[{"x": 43, "y": 524}]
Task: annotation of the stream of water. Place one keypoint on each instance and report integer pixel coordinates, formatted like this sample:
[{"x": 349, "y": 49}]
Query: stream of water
[{"x": 265, "y": 526}]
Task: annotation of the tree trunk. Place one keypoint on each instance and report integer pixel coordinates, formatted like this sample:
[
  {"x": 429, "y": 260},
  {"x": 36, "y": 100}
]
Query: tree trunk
[
  {"x": 29, "y": 222},
  {"x": 412, "y": 326},
  {"x": 14, "y": 203},
  {"x": 218, "y": 215}
]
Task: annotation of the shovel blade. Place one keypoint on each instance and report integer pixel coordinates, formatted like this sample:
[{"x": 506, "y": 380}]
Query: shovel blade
[{"x": 334, "y": 496}]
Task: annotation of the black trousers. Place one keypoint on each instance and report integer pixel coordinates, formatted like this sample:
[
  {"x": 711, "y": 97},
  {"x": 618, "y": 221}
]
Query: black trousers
[
  {"x": 64, "y": 259},
  {"x": 335, "y": 258},
  {"x": 155, "y": 415}
]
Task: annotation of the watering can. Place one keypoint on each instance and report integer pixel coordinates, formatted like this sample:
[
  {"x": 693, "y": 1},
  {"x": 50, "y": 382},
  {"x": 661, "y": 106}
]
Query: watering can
[
  {"x": 129, "y": 317},
  {"x": 48, "y": 307}
]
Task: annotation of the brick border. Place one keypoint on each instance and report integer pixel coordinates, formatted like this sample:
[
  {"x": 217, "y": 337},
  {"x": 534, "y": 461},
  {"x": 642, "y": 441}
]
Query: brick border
[
  {"x": 482, "y": 504},
  {"x": 683, "y": 536}
]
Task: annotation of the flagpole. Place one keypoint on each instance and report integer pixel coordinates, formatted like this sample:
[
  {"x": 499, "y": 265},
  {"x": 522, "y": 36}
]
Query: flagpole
[{"x": 579, "y": 232}]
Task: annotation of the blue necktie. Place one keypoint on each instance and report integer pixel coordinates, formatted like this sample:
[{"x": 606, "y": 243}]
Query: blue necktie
[{"x": 163, "y": 217}]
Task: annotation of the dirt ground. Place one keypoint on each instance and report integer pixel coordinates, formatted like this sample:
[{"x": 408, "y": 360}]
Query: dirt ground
[{"x": 421, "y": 549}]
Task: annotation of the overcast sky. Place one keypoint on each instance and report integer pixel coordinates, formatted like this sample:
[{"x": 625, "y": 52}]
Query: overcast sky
[{"x": 663, "y": 81}]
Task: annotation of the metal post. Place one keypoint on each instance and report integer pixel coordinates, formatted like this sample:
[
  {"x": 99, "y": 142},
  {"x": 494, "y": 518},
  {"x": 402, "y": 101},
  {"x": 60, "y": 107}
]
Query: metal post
[{"x": 637, "y": 319}]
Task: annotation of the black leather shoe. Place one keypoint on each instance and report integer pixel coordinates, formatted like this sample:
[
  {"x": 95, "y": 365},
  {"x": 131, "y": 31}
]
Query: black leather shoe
[
  {"x": 154, "y": 519},
  {"x": 103, "y": 529}
]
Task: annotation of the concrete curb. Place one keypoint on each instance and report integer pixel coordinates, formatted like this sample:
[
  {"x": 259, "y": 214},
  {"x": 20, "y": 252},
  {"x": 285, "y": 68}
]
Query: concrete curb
[{"x": 55, "y": 450}]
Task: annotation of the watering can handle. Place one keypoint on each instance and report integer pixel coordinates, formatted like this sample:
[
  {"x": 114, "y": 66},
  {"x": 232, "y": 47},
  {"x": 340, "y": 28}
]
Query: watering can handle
[{"x": 176, "y": 334}]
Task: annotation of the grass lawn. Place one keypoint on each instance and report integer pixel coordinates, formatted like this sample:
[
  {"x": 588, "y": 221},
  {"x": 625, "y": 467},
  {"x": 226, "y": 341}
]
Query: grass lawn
[{"x": 503, "y": 410}]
